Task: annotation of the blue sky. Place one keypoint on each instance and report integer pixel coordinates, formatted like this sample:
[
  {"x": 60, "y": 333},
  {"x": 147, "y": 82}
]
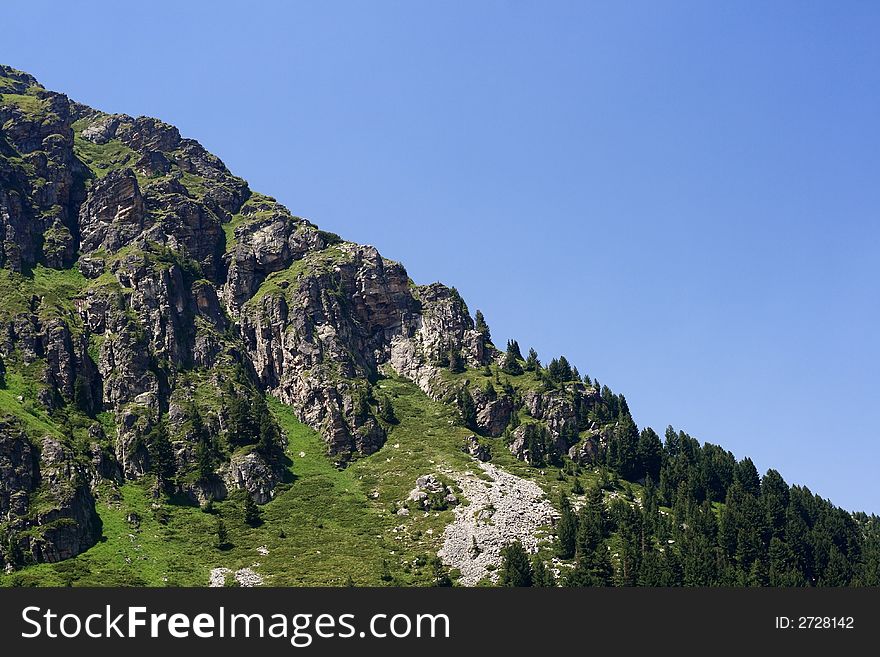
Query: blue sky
[{"x": 681, "y": 197}]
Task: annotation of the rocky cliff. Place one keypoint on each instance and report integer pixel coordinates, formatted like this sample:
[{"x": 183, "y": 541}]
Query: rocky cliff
[{"x": 154, "y": 299}]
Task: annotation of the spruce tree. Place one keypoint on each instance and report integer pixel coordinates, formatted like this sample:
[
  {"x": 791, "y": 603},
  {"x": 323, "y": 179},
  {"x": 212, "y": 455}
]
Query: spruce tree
[
  {"x": 160, "y": 453},
  {"x": 482, "y": 327},
  {"x": 565, "y": 371},
  {"x": 252, "y": 514},
  {"x": 222, "y": 535},
  {"x": 440, "y": 574},
  {"x": 532, "y": 362},
  {"x": 466, "y": 408},
  {"x": 511, "y": 360},
  {"x": 516, "y": 570},
  {"x": 513, "y": 347},
  {"x": 566, "y": 531},
  {"x": 386, "y": 410},
  {"x": 541, "y": 575}
]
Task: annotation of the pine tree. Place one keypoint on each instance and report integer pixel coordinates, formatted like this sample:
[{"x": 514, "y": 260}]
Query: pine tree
[
  {"x": 456, "y": 362},
  {"x": 160, "y": 453},
  {"x": 362, "y": 405},
  {"x": 222, "y": 535},
  {"x": 566, "y": 531},
  {"x": 440, "y": 574},
  {"x": 511, "y": 360},
  {"x": 386, "y": 410},
  {"x": 204, "y": 461},
  {"x": 252, "y": 514},
  {"x": 532, "y": 362},
  {"x": 516, "y": 570},
  {"x": 482, "y": 327},
  {"x": 577, "y": 488},
  {"x": 466, "y": 408},
  {"x": 541, "y": 575},
  {"x": 565, "y": 371},
  {"x": 650, "y": 453}
]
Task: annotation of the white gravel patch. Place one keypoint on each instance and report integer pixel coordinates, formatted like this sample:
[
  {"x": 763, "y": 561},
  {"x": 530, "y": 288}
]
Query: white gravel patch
[
  {"x": 500, "y": 511},
  {"x": 246, "y": 577}
]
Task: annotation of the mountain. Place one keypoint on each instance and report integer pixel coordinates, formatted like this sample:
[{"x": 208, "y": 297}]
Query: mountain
[{"x": 199, "y": 386}]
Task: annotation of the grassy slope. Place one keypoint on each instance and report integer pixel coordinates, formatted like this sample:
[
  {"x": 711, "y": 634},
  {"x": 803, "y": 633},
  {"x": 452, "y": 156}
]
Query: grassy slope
[{"x": 333, "y": 526}]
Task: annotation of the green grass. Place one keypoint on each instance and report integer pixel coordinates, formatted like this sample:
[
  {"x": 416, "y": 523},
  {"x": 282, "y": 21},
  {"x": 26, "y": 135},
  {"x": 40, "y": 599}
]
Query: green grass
[
  {"x": 31, "y": 106},
  {"x": 58, "y": 288},
  {"x": 323, "y": 527},
  {"x": 101, "y": 159},
  {"x": 28, "y": 410},
  {"x": 314, "y": 262},
  {"x": 194, "y": 184}
]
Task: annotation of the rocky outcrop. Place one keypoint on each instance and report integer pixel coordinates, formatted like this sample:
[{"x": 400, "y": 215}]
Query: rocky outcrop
[
  {"x": 251, "y": 472},
  {"x": 19, "y": 471},
  {"x": 45, "y": 501},
  {"x": 113, "y": 213},
  {"x": 493, "y": 411},
  {"x": 430, "y": 494},
  {"x": 475, "y": 448}
]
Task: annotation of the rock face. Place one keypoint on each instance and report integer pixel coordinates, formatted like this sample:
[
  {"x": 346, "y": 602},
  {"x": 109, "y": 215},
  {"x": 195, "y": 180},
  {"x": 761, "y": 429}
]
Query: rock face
[{"x": 45, "y": 501}]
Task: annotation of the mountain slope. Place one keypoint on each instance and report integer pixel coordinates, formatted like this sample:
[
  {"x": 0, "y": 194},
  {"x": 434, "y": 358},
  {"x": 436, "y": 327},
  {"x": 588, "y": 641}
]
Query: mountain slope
[{"x": 173, "y": 340}]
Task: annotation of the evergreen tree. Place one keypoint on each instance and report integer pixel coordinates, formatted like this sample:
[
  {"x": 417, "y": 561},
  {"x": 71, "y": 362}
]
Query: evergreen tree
[
  {"x": 511, "y": 360},
  {"x": 204, "y": 461},
  {"x": 577, "y": 488},
  {"x": 252, "y": 514},
  {"x": 650, "y": 453},
  {"x": 541, "y": 575},
  {"x": 386, "y": 410},
  {"x": 440, "y": 574},
  {"x": 240, "y": 427},
  {"x": 516, "y": 570},
  {"x": 222, "y": 535},
  {"x": 456, "y": 361},
  {"x": 362, "y": 405},
  {"x": 554, "y": 371},
  {"x": 623, "y": 449},
  {"x": 82, "y": 398},
  {"x": 566, "y": 530},
  {"x": 160, "y": 453},
  {"x": 774, "y": 499},
  {"x": 565, "y": 371},
  {"x": 532, "y": 362},
  {"x": 466, "y": 408},
  {"x": 482, "y": 327}
]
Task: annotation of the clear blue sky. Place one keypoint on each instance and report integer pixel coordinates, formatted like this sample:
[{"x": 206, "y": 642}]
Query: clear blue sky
[{"x": 682, "y": 197}]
